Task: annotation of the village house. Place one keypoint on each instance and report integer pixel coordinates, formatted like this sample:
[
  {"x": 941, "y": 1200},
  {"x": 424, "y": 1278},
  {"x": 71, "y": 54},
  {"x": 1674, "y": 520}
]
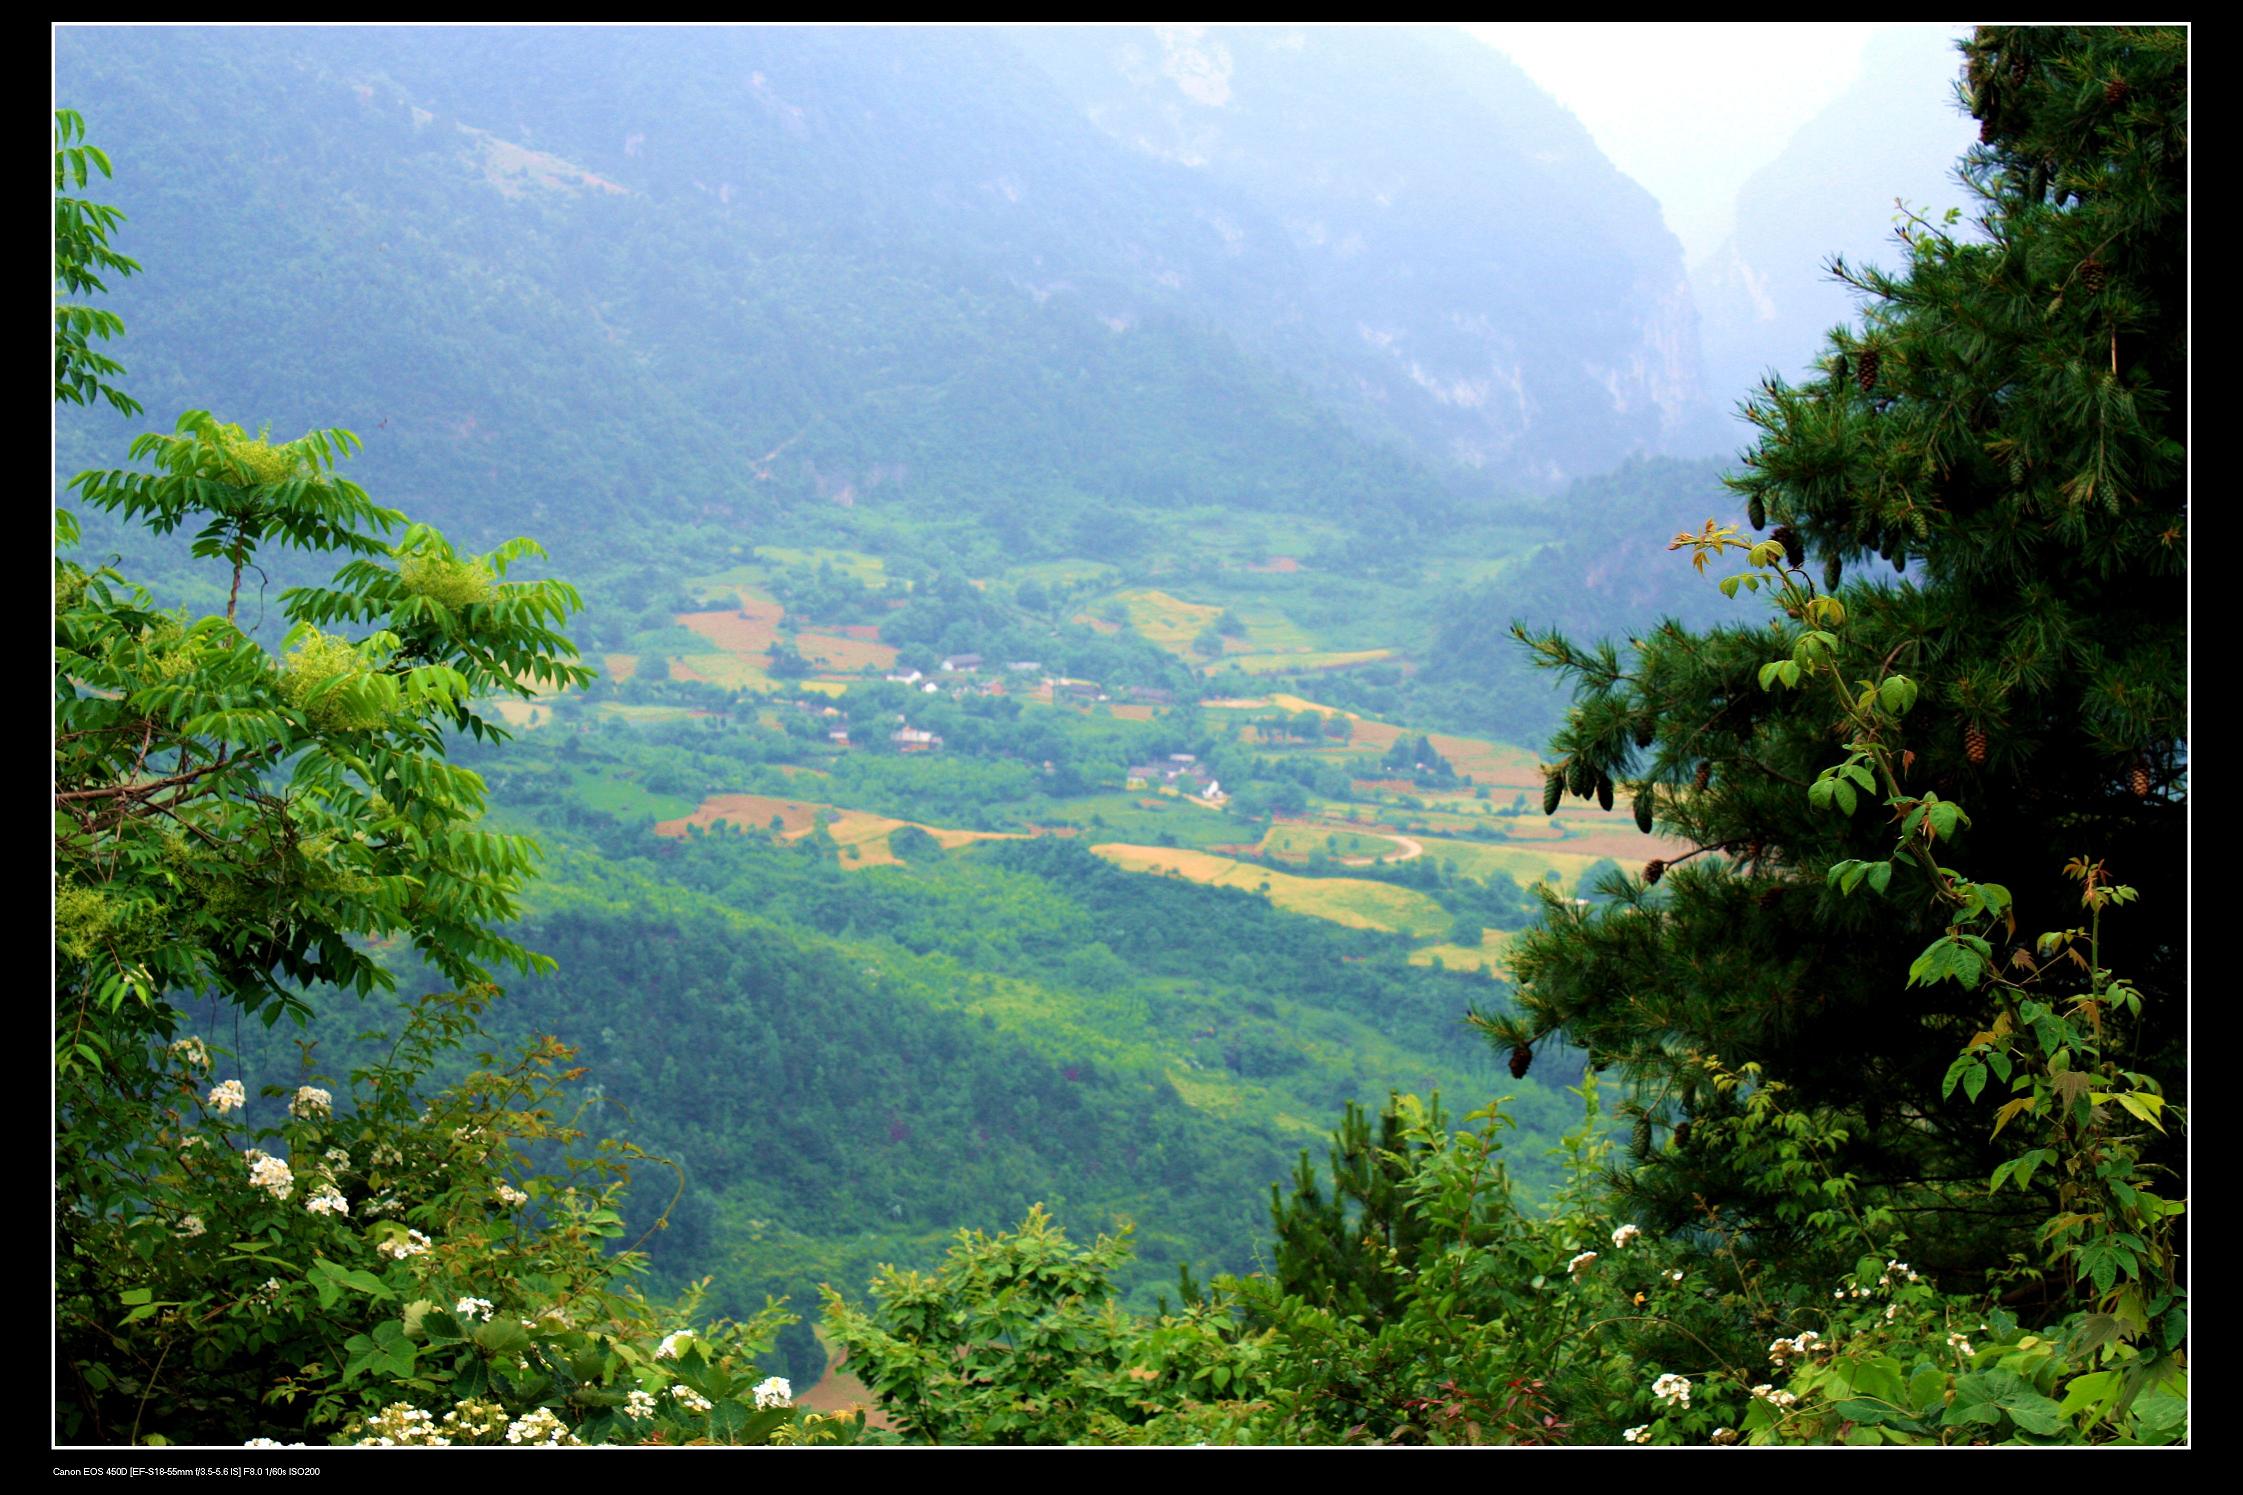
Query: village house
[{"x": 962, "y": 663}]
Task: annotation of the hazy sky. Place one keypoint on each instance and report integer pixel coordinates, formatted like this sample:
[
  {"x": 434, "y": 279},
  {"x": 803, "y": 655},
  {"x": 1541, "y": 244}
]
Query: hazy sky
[{"x": 1691, "y": 109}]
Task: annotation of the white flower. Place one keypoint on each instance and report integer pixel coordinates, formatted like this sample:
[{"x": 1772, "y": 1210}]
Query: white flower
[
  {"x": 539, "y": 1428},
  {"x": 668, "y": 1349},
  {"x": 775, "y": 1392},
  {"x": 338, "y": 1157},
  {"x": 1625, "y": 1234},
  {"x": 413, "y": 1243},
  {"x": 1890, "y": 1310},
  {"x": 1674, "y": 1275},
  {"x": 327, "y": 1202},
  {"x": 190, "y": 1227},
  {"x": 227, "y": 1096},
  {"x": 1580, "y": 1261},
  {"x": 1672, "y": 1388},
  {"x": 1725, "y": 1435},
  {"x": 311, "y": 1101},
  {"x": 639, "y": 1404},
  {"x": 270, "y": 1174},
  {"x": 1773, "y": 1397},
  {"x": 468, "y": 1308},
  {"x": 191, "y": 1050},
  {"x": 190, "y": 1143},
  {"x": 690, "y": 1399},
  {"x": 1957, "y": 1342},
  {"x": 1640, "y": 1434},
  {"x": 384, "y": 1153},
  {"x": 260, "y": 1443},
  {"x": 511, "y": 1197}
]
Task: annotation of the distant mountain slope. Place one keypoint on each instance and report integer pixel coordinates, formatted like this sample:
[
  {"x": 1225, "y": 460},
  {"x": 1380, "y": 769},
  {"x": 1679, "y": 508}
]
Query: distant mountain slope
[
  {"x": 601, "y": 284},
  {"x": 1763, "y": 297},
  {"x": 1486, "y": 280}
]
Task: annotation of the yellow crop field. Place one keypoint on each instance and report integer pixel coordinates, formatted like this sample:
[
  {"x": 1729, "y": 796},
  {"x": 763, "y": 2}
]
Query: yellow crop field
[
  {"x": 620, "y": 667},
  {"x": 859, "y": 830},
  {"x": 1355, "y": 902},
  {"x": 1526, "y": 865},
  {"x": 1170, "y": 622},
  {"x": 868, "y": 569},
  {"x": 1484, "y": 957},
  {"x": 748, "y": 628},
  {"x": 835, "y": 651},
  {"x": 1327, "y": 659},
  {"x": 728, "y": 670}
]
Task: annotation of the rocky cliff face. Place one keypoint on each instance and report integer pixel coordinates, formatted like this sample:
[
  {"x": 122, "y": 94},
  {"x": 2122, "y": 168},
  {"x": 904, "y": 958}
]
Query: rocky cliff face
[{"x": 1479, "y": 276}]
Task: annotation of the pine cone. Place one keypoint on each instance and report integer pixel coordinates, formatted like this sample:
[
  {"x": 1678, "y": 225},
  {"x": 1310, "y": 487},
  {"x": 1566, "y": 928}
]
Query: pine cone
[
  {"x": 1974, "y": 743},
  {"x": 2092, "y": 274},
  {"x": 1653, "y": 870},
  {"x": 1900, "y": 558},
  {"x": 1838, "y": 369},
  {"x": 1986, "y": 130},
  {"x": 2016, "y": 71},
  {"x": 2138, "y": 778},
  {"x": 1644, "y": 809},
  {"x": 1521, "y": 1058},
  {"x": 1757, "y": 512},
  {"x": 1866, "y": 368},
  {"x": 1640, "y": 1143},
  {"x": 1604, "y": 791},
  {"x": 1703, "y": 776},
  {"x": 1553, "y": 790},
  {"x": 1833, "y": 571},
  {"x": 2115, "y": 92},
  {"x": 1794, "y": 551},
  {"x": 1767, "y": 896},
  {"x": 1682, "y": 1135},
  {"x": 1647, "y": 731}
]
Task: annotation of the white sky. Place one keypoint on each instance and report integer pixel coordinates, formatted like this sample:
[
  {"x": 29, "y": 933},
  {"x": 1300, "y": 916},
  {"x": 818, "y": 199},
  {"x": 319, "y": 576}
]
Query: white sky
[{"x": 1742, "y": 88}]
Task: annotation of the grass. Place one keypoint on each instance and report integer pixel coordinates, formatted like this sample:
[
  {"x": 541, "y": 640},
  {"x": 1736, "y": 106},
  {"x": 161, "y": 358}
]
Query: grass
[
  {"x": 625, "y": 799},
  {"x": 1301, "y": 840}
]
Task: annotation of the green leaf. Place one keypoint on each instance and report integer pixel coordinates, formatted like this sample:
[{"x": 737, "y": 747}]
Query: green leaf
[{"x": 502, "y": 1336}]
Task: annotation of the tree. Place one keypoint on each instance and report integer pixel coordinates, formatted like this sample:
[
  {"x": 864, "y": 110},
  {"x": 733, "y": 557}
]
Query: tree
[
  {"x": 82, "y": 253},
  {"x": 241, "y": 827},
  {"x": 2003, "y": 426}
]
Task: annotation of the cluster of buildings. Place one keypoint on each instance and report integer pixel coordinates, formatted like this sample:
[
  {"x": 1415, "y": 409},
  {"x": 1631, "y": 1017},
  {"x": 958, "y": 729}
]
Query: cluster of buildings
[{"x": 1181, "y": 772}]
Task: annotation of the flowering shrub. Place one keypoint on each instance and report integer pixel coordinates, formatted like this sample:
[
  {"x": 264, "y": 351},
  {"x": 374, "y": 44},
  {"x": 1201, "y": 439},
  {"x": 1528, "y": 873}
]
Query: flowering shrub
[{"x": 286, "y": 1292}]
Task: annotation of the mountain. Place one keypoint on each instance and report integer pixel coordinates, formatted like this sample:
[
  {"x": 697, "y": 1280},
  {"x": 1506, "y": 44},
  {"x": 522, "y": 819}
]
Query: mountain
[
  {"x": 733, "y": 275},
  {"x": 1483, "y": 277},
  {"x": 1764, "y": 298}
]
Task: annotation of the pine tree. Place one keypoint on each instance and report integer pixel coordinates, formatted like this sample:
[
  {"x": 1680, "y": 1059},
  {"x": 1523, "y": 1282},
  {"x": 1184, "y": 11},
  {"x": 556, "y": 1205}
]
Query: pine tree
[{"x": 2006, "y": 423}]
